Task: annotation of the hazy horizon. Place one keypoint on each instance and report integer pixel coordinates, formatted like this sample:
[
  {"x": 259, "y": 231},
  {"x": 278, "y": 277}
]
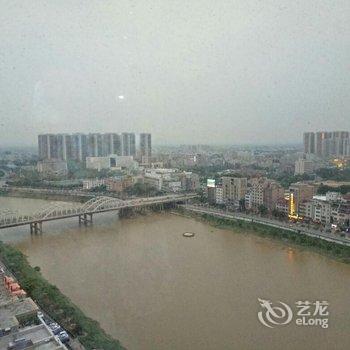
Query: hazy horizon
[
  {"x": 34, "y": 145},
  {"x": 199, "y": 72}
]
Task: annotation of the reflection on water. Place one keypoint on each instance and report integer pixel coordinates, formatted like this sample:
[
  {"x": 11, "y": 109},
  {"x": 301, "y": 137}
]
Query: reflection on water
[{"x": 153, "y": 289}]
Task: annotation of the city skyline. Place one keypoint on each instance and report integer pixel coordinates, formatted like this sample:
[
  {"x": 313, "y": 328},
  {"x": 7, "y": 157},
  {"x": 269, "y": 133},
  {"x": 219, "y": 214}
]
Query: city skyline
[
  {"x": 327, "y": 143},
  {"x": 174, "y": 174},
  {"x": 79, "y": 146},
  {"x": 204, "y": 72}
]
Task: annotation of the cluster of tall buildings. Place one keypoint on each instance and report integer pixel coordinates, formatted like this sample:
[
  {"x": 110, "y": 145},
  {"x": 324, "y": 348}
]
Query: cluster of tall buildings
[
  {"x": 80, "y": 146},
  {"x": 327, "y": 143}
]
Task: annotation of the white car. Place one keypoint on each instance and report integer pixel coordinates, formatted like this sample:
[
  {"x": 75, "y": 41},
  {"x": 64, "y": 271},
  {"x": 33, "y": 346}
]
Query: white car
[{"x": 63, "y": 336}]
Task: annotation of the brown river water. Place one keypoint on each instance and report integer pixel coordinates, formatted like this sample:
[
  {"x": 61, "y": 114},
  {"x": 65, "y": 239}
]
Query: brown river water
[{"x": 154, "y": 289}]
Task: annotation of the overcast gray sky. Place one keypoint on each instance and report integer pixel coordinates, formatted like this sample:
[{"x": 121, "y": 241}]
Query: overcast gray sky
[{"x": 198, "y": 71}]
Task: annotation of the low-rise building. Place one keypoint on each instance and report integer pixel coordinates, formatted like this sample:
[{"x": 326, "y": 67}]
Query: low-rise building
[
  {"x": 257, "y": 192},
  {"x": 273, "y": 191},
  {"x": 118, "y": 184},
  {"x": 265, "y": 192},
  {"x": 170, "y": 179},
  {"x": 154, "y": 180},
  {"x": 211, "y": 191},
  {"x": 322, "y": 210},
  {"x": 114, "y": 185},
  {"x": 234, "y": 188},
  {"x": 52, "y": 167},
  {"x": 248, "y": 200},
  {"x": 306, "y": 209},
  {"x": 35, "y": 337},
  {"x": 299, "y": 192},
  {"x": 282, "y": 205},
  {"x": 172, "y": 186},
  {"x": 98, "y": 163},
  {"x": 18, "y": 320},
  {"x": 303, "y": 166},
  {"x": 89, "y": 184},
  {"x": 157, "y": 165},
  {"x": 111, "y": 162},
  {"x": 189, "y": 181},
  {"x": 341, "y": 213},
  {"x": 331, "y": 208}
]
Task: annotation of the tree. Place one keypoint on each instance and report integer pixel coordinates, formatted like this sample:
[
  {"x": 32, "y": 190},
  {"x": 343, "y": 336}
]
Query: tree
[
  {"x": 142, "y": 189},
  {"x": 262, "y": 209},
  {"x": 278, "y": 214},
  {"x": 242, "y": 204},
  {"x": 100, "y": 188}
]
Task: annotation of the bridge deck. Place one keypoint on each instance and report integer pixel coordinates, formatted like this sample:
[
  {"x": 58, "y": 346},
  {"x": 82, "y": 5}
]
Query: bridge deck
[{"x": 93, "y": 206}]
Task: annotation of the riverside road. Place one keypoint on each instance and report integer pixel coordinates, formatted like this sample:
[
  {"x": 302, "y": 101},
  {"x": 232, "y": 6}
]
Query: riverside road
[{"x": 293, "y": 227}]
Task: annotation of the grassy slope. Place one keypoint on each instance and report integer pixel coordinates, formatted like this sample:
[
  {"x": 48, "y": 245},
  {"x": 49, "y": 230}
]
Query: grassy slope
[{"x": 57, "y": 305}]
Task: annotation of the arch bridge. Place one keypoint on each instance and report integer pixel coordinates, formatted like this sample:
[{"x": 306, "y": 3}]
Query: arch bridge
[{"x": 84, "y": 212}]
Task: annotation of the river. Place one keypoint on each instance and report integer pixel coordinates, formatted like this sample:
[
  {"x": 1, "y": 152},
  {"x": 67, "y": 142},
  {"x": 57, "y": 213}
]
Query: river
[{"x": 154, "y": 289}]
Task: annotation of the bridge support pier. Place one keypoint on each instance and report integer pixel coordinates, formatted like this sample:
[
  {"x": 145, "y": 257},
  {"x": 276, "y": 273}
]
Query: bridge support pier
[
  {"x": 161, "y": 207},
  {"x": 36, "y": 227},
  {"x": 126, "y": 212},
  {"x": 85, "y": 219}
]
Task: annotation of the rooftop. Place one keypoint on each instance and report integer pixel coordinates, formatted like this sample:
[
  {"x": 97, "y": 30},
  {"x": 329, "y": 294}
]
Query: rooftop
[
  {"x": 38, "y": 336},
  {"x": 12, "y": 310},
  {"x": 320, "y": 198}
]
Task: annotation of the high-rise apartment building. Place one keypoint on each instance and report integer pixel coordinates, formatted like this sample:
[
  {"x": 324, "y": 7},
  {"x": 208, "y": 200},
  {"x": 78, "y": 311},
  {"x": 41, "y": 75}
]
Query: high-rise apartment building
[
  {"x": 145, "y": 147},
  {"x": 94, "y": 145},
  {"x": 111, "y": 144},
  {"x": 62, "y": 144},
  {"x": 327, "y": 144},
  {"x": 322, "y": 143},
  {"x": 309, "y": 142},
  {"x": 128, "y": 144},
  {"x": 79, "y": 146},
  {"x": 43, "y": 145},
  {"x": 47, "y": 146}
]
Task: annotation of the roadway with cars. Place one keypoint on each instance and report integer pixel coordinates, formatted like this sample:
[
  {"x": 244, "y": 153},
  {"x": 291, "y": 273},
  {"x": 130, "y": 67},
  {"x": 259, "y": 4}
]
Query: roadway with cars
[{"x": 59, "y": 332}]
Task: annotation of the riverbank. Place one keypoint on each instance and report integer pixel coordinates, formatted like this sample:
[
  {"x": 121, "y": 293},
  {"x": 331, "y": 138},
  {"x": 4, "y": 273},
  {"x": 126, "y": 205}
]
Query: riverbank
[
  {"x": 57, "y": 305},
  {"x": 25, "y": 193},
  {"x": 329, "y": 249},
  {"x": 153, "y": 289}
]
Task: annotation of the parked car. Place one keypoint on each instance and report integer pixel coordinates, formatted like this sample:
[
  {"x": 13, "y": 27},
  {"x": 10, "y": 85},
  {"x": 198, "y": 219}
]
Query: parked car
[
  {"x": 63, "y": 336},
  {"x": 55, "y": 328}
]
